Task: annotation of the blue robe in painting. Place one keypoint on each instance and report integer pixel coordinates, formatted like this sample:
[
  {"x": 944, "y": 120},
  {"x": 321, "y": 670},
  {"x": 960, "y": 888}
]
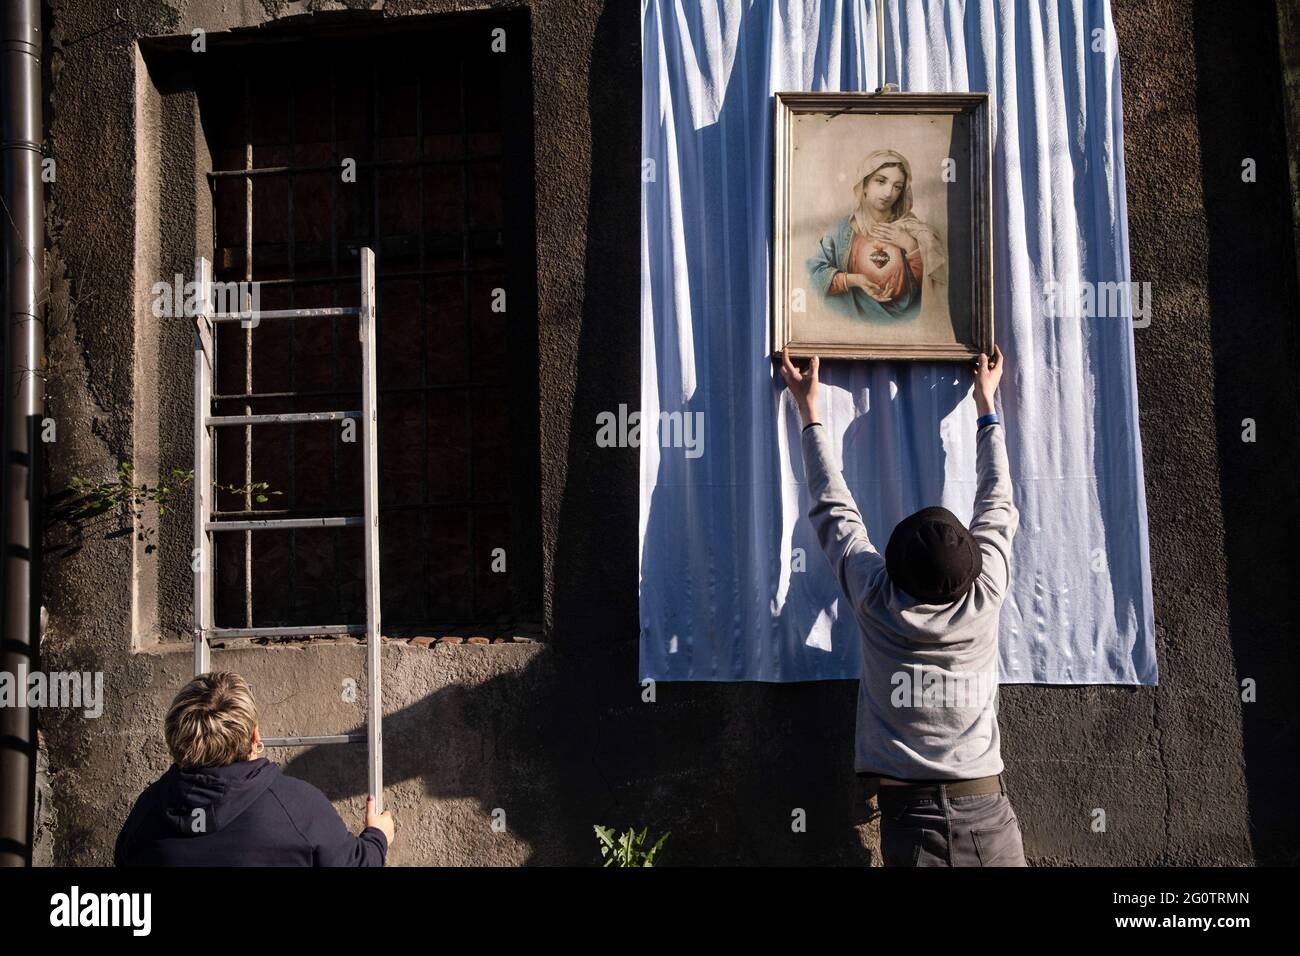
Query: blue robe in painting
[{"x": 833, "y": 256}]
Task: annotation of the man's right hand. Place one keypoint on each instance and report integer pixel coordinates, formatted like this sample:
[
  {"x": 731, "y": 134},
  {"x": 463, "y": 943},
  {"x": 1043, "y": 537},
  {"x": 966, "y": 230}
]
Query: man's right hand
[
  {"x": 382, "y": 822},
  {"x": 988, "y": 373},
  {"x": 803, "y": 386}
]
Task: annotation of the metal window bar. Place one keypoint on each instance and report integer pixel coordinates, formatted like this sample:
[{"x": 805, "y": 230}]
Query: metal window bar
[
  {"x": 469, "y": 334},
  {"x": 395, "y": 274},
  {"x": 248, "y": 346},
  {"x": 361, "y": 164},
  {"x": 206, "y": 525},
  {"x": 334, "y": 323},
  {"x": 292, "y": 567},
  {"x": 426, "y": 518}
]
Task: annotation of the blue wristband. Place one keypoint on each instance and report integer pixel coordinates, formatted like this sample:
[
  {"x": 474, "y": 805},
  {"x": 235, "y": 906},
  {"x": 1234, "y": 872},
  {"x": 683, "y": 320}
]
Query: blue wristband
[{"x": 990, "y": 419}]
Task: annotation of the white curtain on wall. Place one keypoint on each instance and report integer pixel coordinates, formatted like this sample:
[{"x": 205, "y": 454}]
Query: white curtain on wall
[{"x": 723, "y": 506}]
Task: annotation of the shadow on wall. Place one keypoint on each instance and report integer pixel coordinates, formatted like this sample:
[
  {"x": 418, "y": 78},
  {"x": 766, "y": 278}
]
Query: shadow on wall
[
  {"x": 528, "y": 742},
  {"x": 561, "y": 745},
  {"x": 1253, "y": 299}
]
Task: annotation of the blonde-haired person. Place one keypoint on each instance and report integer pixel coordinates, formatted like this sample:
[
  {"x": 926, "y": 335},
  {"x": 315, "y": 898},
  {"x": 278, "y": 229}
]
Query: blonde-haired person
[{"x": 222, "y": 803}]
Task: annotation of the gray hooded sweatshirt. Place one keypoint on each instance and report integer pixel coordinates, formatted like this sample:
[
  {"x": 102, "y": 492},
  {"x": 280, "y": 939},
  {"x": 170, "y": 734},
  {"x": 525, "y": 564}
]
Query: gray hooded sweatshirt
[{"x": 927, "y": 699}]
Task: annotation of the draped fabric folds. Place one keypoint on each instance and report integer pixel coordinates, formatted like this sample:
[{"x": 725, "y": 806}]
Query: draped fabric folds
[{"x": 732, "y": 584}]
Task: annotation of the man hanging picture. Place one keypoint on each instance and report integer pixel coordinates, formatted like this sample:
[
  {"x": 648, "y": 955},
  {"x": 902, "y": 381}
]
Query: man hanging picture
[{"x": 882, "y": 226}]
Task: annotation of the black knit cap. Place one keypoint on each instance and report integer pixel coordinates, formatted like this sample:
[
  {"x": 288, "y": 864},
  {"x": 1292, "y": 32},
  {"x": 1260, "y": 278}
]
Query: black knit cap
[{"x": 932, "y": 556}]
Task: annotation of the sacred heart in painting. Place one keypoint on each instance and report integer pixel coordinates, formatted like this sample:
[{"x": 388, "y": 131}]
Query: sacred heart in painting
[{"x": 879, "y": 258}]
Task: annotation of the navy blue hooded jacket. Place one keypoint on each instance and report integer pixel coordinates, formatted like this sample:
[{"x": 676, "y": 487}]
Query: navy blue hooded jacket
[{"x": 245, "y": 814}]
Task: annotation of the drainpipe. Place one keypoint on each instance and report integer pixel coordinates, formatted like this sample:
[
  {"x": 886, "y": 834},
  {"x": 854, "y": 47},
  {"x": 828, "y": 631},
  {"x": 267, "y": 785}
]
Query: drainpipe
[{"x": 22, "y": 223}]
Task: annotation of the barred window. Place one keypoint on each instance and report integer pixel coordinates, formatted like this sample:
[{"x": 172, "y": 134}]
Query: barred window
[{"x": 417, "y": 144}]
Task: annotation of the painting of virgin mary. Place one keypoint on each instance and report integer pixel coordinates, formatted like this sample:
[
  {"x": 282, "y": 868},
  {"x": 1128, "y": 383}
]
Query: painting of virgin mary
[
  {"x": 881, "y": 226},
  {"x": 880, "y": 262}
]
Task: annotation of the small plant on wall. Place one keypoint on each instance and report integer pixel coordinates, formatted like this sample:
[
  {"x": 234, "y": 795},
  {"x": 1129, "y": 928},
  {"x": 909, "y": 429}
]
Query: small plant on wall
[
  {"x": 94, "y": 498},
  {"x": 627, "y": 849}
]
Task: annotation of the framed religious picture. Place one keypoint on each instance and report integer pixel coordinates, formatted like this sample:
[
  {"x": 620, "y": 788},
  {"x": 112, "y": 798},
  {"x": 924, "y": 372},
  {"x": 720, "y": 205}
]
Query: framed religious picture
[{"x": 882, "y": 241}]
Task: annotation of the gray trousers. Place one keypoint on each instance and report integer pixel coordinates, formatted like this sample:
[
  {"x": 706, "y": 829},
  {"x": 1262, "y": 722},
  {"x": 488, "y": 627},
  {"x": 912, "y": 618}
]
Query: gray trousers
[{"x": 976, "y": 830}]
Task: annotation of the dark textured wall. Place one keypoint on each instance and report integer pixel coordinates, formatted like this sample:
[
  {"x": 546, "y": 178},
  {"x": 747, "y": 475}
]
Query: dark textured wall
[
  {"x": 1221, "y": 349},
  {"x": 1253, "y": 339},
  {"x": 557, "y": 735}
]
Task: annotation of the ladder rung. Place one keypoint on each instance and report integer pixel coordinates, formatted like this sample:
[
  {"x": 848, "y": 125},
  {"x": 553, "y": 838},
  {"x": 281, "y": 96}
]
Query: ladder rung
[
  {"x": 232, "y": 633},
  {"x": 284, "y": 314},
  {"x": 281, "y": 419},
  {"x": 355, "y": 738},
  {"x": 285, "y": 524}
]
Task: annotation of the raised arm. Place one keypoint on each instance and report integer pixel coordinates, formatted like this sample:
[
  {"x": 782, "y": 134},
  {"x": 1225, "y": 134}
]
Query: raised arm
[
  {"x": 995, "y": 519},
  {"x": 834, "y": 515}
]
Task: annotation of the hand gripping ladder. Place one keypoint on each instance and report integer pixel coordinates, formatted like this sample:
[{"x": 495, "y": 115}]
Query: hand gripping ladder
[{"x": 204, "y": 527}]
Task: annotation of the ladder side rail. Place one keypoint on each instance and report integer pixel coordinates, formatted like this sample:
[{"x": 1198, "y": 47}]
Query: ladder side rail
[
  {"x": 370, "y": 486},
  {"x": 201, "y": 556}
]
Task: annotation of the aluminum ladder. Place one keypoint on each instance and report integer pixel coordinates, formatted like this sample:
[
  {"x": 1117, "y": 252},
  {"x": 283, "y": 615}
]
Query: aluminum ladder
[{"x": 205, "y": 527}]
